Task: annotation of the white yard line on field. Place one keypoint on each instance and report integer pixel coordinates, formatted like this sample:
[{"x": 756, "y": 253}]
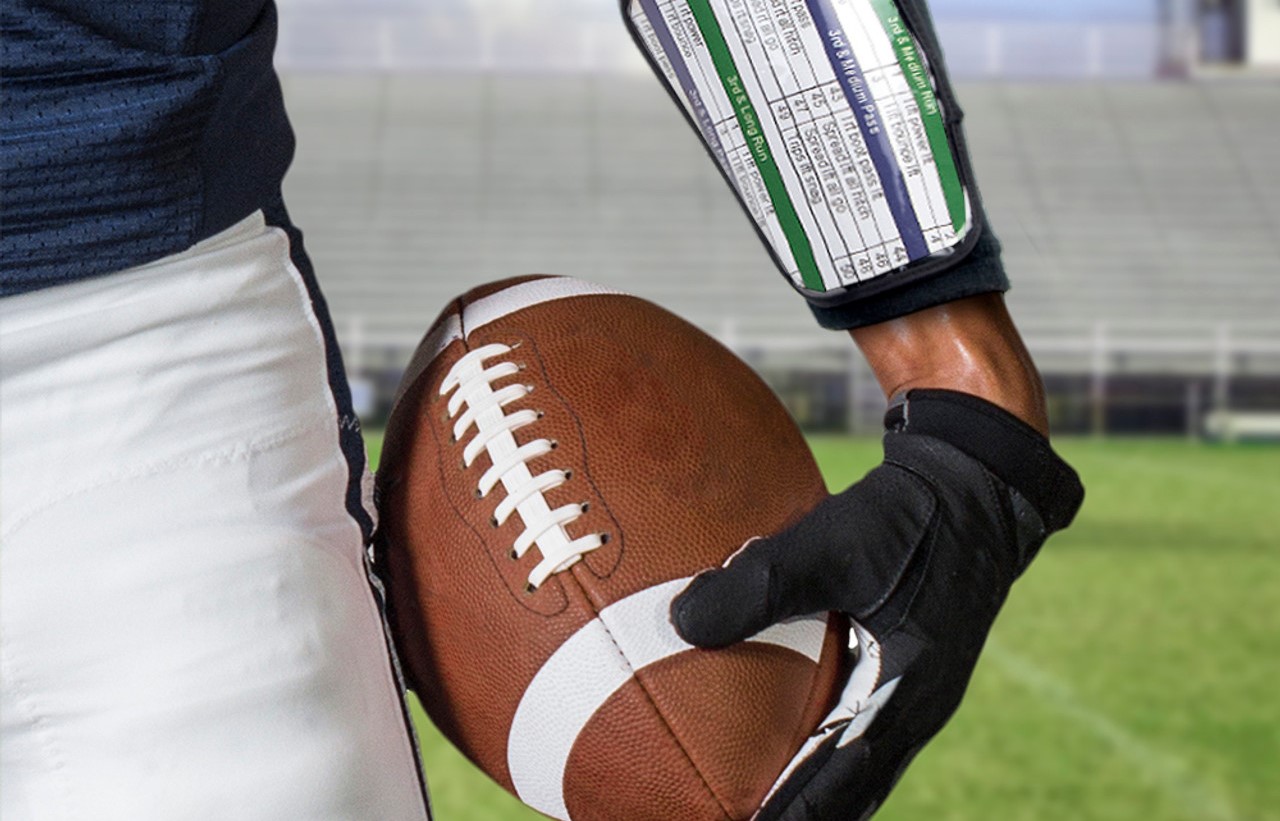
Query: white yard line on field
[{"x": 1197, "y": 799}]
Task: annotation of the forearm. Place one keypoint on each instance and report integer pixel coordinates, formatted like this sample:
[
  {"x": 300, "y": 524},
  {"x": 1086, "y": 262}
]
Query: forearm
[
  {"x": 969, "y": 345},
  {"x": 920, "y": 290}
]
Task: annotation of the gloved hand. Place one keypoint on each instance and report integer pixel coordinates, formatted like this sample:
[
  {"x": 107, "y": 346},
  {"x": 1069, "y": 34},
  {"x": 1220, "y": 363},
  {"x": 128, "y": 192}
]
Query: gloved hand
[{"x": 920, "y": 554}]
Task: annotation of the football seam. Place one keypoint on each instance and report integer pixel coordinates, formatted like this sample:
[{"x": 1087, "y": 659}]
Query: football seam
[
  {"x": 586, "y": 463},
  {"x": 653, "y": 705},
  {"x": 441, "y": 458},
  {"x": 586, "y": 595},
  {"x": 511, "y": 327},
  {"x": 802, "y": 733}
]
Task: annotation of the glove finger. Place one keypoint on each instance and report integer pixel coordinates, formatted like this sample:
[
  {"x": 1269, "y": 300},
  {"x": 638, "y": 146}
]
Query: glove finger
[
  {"x": 847, "y": 555},
  {"x": 723, "y": 607},
  {"x": 853, "y": 785}
]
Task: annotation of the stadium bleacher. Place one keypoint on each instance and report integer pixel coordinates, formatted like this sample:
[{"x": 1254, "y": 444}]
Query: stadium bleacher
[{"x": 1141, "y": 204}]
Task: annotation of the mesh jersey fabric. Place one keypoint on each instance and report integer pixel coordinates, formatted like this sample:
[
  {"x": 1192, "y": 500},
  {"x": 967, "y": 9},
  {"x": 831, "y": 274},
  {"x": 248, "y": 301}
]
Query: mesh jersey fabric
[{"x": 131, "y": 130}]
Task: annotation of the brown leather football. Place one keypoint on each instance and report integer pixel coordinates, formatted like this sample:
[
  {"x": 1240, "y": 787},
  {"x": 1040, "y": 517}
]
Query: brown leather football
[{"x": 561, "y": 460}]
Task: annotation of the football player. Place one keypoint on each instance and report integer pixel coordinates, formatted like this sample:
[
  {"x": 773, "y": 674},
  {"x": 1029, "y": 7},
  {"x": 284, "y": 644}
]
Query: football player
[{"x": 188, "y": 628}]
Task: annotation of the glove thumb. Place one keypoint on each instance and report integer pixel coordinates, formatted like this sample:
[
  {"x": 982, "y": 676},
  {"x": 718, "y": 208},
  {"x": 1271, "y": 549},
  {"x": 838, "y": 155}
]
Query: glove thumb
[
  {"x": 728, "y": 605},
  {"x": 846, "y": 555}
]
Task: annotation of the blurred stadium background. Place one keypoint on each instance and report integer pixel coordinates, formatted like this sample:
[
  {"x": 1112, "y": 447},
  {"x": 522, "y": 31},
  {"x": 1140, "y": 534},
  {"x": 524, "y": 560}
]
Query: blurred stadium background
[
  {"x": 444, "y": 144},
  {"x": 1129, "y": 155}
]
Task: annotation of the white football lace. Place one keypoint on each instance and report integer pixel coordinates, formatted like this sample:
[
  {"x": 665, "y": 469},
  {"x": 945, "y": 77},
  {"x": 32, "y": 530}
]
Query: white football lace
[{"x": 477, "y": 404}]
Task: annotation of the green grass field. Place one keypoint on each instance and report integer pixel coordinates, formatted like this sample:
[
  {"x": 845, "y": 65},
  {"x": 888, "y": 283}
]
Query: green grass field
[{"x": 1135, "y": 673}]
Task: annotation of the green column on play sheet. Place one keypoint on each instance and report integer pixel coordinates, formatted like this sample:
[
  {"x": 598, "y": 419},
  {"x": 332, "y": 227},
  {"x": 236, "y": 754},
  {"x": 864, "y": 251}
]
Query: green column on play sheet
[
  {"x": 749, "y": 120},
  {"x": 904, "y": 45}
]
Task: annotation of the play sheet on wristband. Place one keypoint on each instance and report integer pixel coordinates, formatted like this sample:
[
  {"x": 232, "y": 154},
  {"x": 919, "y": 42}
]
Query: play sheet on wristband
[{"x": 823, "y": 115}]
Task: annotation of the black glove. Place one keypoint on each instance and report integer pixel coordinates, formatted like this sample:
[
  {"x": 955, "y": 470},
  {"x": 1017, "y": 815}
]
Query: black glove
[{"x": 920, "y": 554}]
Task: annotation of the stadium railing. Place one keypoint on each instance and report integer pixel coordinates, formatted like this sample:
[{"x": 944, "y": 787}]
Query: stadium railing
[{"x": 1108, "y": 378}]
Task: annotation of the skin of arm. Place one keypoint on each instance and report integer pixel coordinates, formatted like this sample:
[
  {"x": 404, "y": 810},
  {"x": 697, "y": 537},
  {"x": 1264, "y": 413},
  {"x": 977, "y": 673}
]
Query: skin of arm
[{"x": 969, "y": 345}]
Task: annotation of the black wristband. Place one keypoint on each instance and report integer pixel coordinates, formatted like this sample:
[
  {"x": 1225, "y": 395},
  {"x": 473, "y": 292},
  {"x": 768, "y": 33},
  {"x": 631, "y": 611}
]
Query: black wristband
[
  {"x": 982, "y": 272},
  {"x": 1011, "y": 449}
]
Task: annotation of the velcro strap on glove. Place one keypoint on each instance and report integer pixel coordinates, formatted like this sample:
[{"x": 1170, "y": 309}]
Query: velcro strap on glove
[{"x": 1011, "y": 449}]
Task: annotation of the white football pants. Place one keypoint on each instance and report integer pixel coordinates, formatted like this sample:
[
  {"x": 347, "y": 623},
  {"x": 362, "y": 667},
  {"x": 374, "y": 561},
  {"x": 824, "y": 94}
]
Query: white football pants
[{"x": 186, "y": 626}]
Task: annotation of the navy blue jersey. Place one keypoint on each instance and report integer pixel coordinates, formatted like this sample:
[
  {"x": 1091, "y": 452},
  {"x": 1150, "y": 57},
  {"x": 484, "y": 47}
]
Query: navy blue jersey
[{"x": 132, "y": 129}]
